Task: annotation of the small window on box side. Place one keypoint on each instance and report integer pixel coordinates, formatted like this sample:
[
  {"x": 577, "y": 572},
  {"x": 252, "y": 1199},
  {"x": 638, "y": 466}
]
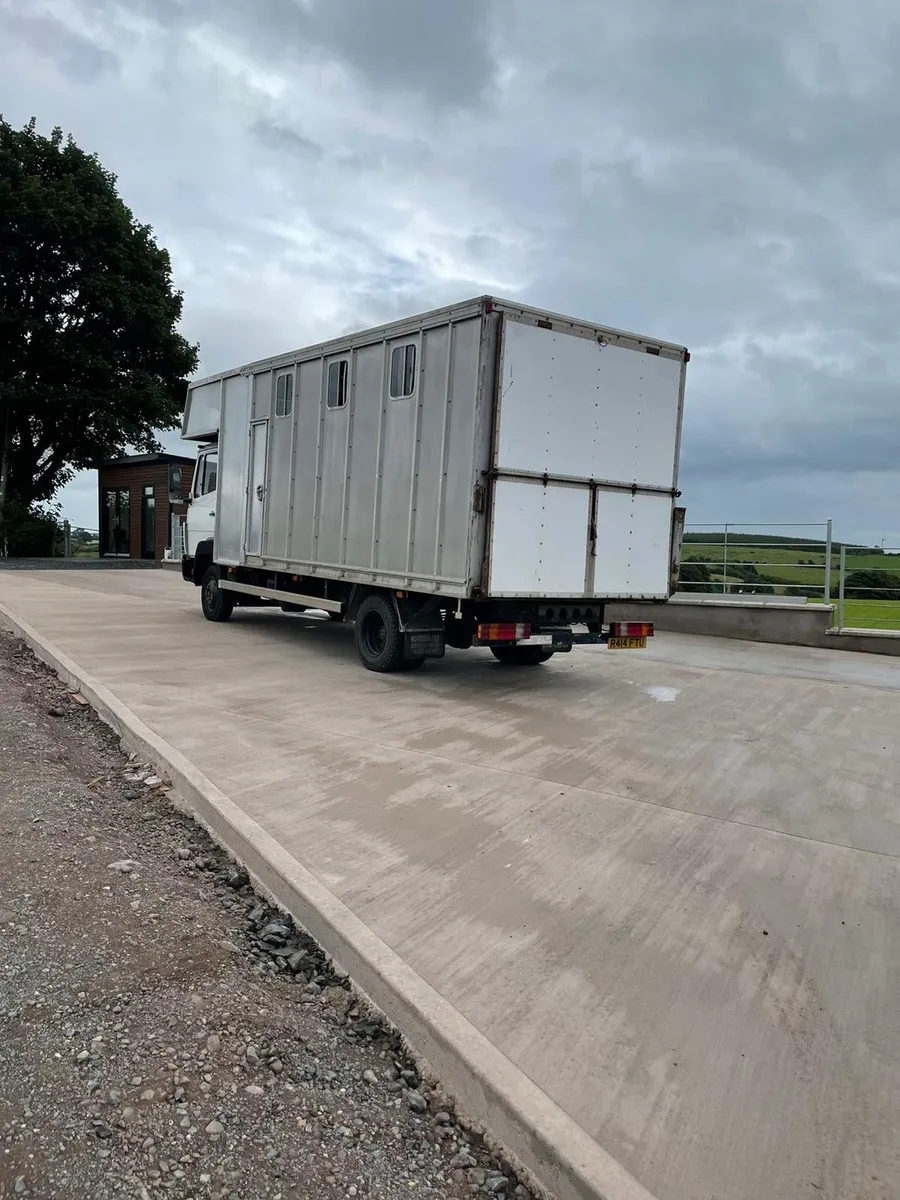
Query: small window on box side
[
  {"x": 284, "y": 395},
  {"x": 336, "y": 397},
  {"x": 403, "y": 371}
]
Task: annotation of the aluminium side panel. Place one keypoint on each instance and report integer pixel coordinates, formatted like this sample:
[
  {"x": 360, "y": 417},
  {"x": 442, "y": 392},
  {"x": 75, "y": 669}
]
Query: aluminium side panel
[
  {"x": 433, "y": 407},
  {"x": 395, "y": 477},
  {"x": 263, "y": 387},
  {"x": 362, "y": 476},
  {"x": 378, "y": 490},
  {"x": 334, "y": 444},
  {"x": 308, "y": 422},
  {"x": 232, "y": 478},
  {"x": 278, "y": 483},
  {"x": 446, "y": 453},
  {"x": 464, "y": 456}
]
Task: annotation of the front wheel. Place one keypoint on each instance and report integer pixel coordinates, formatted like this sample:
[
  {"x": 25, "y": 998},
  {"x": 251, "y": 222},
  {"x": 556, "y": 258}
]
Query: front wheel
[
  {"x": 379, "y": 638},
  {"x": 217, "y": 604},
  {"x": 521, "y": 656}
]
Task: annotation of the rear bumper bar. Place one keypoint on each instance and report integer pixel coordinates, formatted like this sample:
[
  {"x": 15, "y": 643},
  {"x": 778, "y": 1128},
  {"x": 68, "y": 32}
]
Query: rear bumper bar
[{"x": 562, "y": 639}]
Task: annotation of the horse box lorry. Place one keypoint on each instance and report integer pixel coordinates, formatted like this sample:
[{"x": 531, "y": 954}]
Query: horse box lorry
[{"x": 482, "y": 475}]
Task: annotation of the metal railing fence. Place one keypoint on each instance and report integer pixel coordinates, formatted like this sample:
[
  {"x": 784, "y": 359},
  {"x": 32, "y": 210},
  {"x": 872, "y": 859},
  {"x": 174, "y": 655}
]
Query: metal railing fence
[
  {"x": 868, "y": 591},
  {"x": 752, "y": 560}
]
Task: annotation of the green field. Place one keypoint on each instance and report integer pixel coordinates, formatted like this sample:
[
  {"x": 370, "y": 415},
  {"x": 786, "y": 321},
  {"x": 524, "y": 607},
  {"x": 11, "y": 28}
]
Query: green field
[
  {"x": 799, "y": 564},
  {"x": 794, "y": 568},
  {"x": 871, "y": 614}
]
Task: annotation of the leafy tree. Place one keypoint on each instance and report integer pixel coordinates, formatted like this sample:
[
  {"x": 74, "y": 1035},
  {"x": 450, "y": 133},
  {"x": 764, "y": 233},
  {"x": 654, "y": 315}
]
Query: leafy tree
[
  {"x": 91, "y": 363},
  {"x": 693, "y": 571},
  {"x": 694, "y": 576},
  {"x": 34, "y": 532},
  {"x": 872, "y": 585}
]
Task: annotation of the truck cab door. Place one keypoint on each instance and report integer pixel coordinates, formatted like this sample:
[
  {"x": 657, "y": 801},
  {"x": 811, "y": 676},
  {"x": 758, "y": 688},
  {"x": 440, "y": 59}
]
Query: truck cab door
[{"x": 201, "y": 516}]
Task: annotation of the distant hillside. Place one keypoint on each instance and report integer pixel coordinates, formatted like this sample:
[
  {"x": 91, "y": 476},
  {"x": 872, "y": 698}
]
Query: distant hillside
[
  {"x": 768, "y": 563},
  {"x": 756, "y": 539}
]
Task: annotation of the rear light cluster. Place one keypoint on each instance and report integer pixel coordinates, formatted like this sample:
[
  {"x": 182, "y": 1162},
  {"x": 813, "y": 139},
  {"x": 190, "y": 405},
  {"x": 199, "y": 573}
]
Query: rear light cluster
[
  {"x": 630, "y": 629},
  {"x": 503, "y": 631}
]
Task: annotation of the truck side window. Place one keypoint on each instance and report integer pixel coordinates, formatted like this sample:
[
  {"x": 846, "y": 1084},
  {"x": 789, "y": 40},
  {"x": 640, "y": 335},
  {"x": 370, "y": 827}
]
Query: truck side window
[
  {"x": 337, "y": 384},
  {"x": 284, "y": 395},
  {"x": 403, "y": 371},
  {"x": 207, "y": 475}
]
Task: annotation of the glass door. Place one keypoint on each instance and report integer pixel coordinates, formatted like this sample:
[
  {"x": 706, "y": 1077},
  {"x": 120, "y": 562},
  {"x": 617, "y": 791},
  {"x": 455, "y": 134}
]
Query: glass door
[{"x": 116, "y": 522}]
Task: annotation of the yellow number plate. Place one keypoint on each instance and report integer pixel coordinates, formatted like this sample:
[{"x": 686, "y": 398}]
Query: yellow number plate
[{"x": 638, "y": 643}]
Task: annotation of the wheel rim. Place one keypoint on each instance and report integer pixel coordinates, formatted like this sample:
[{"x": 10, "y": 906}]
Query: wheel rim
[
  {"x": 210, "y": 591},
  {"x": 374, "y": 634}
]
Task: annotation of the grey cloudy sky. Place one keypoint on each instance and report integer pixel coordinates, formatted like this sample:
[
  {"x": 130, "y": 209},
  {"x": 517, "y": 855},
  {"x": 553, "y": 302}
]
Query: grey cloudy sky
[{"x": 726, "y": 175}]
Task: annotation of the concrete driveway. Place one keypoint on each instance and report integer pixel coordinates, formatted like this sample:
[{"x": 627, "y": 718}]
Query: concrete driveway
[{"x": 664, "y": 884}]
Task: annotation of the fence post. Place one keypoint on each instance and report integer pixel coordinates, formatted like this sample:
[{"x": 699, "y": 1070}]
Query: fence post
[
  {"x": 67, "y": 540},
  {"x": 842, "y": 570},
  {"x": 828, "y": 561},
  {"x": 725, "y": 561}
]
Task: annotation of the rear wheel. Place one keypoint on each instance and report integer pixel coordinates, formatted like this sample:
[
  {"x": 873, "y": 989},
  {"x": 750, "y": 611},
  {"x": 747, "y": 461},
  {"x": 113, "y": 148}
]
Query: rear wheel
[
  {"x": 521, "y": 656},
  {"x": 379, "y": 638},
  {"x": 217, "y": 604}
]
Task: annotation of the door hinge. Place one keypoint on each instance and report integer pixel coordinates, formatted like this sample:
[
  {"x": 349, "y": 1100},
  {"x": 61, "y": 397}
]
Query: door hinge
[{"x": 479, "y": 499}]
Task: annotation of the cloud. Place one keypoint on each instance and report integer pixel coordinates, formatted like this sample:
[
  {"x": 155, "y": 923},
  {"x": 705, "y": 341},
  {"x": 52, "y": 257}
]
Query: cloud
[
  {"x": 727, "y": 180},
  {"x": 73, "y": 55}
]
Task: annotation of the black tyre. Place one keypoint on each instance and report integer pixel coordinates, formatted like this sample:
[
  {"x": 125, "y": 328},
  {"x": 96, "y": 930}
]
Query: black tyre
[
  {"x": 217, "y": 605},
  {"x": 379, "y": 639},
  {"x": 335, "y": 616},
  {"x": 521, "y": 656}
]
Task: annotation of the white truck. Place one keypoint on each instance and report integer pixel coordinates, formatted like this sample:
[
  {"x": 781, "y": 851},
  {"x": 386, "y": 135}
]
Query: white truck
[{"x": 482, "y": 475}]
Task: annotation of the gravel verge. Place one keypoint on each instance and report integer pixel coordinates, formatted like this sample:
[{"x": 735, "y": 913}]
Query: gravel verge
[{"x": 165, "y": 1032}]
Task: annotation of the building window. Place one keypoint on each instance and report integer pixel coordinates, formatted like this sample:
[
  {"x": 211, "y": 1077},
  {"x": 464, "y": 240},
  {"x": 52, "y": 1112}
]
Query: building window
[
  {"x": 403, "y": 371},
  {"x": 284, "y": 395},
  {"x": 148, "y": 522},
  {"x": 337, "y": 384}
]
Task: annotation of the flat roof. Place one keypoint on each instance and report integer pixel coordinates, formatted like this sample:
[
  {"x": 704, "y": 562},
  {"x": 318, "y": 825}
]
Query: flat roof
[{"x": 128, "y": 460}]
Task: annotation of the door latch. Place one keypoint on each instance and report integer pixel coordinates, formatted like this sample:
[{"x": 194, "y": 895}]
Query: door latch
[{"x": 260, "y": 492}]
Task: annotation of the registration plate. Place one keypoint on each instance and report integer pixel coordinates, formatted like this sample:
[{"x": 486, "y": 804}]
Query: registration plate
[{"x": 635, "y": 643}]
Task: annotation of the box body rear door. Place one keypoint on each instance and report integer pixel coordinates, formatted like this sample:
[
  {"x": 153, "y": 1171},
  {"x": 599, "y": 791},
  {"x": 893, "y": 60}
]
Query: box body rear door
[{"x": 584, "y": 471}]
